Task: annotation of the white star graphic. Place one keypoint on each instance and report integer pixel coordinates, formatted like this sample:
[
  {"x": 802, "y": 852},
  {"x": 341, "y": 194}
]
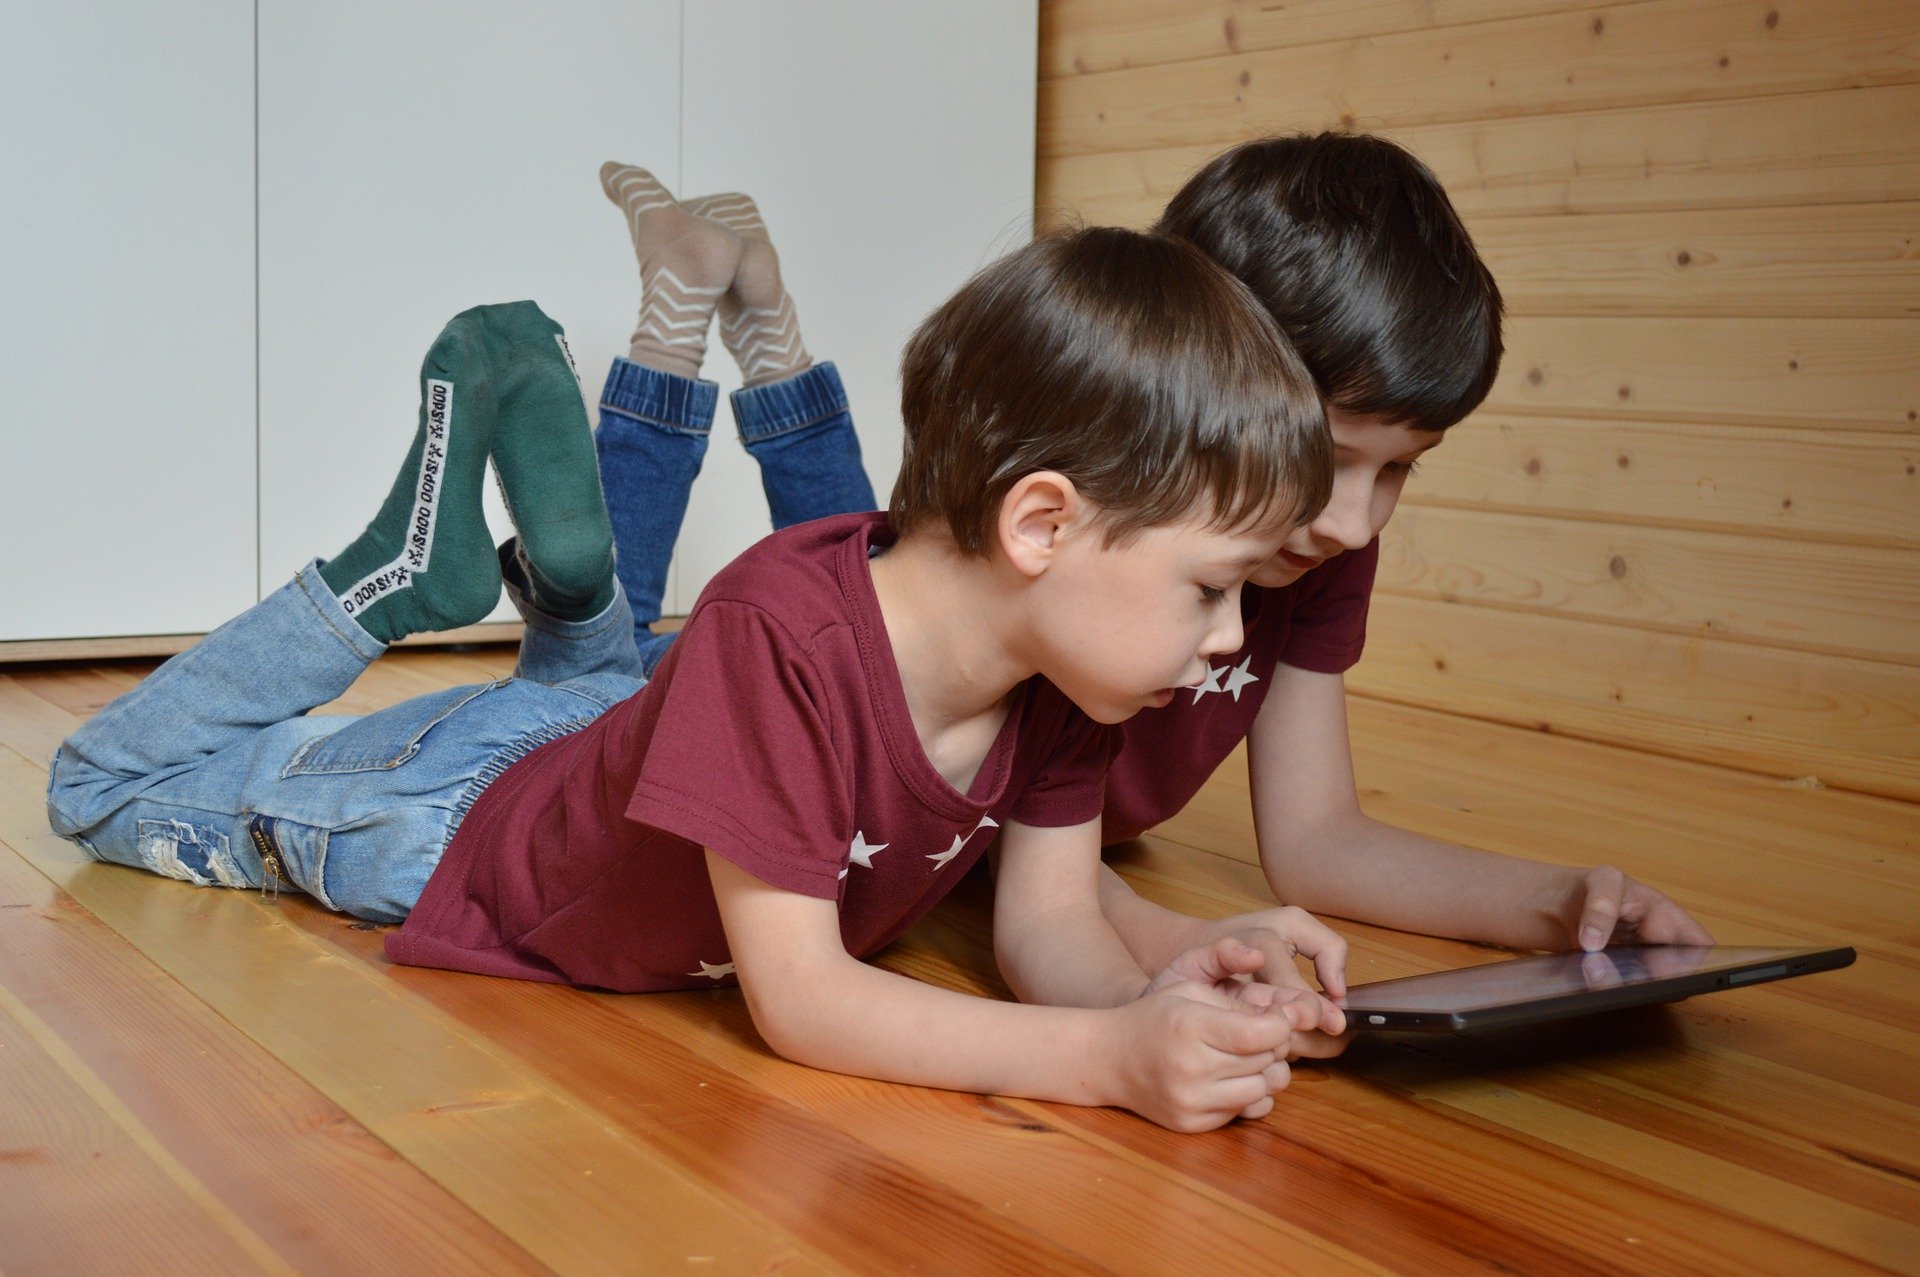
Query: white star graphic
[
  {"x": 940, "y": 861},
  {"x": 712, "y": 972},
  {"x": 986, "y": 822},
  {"x": 1239, "y": 678},
  {"x": 860, "y": 851},
  {"x": 1211, "y": 683}
]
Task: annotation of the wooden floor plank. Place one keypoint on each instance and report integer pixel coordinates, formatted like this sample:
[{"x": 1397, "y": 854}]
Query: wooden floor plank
[
  {"x": 535, "y": 1163},
  {"x": 1772, "y": 1128},
  {"x": 957, "y": 1174},
  {"x": 83, "y": 1189},
  {"x": 302, "y": 1175}
]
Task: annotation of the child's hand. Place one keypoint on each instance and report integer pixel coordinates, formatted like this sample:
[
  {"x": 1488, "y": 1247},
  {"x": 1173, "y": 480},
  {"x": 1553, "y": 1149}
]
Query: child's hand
[
  {"x": 1235, "y": 966},
  {"x": 1607, "y": 907},
  {"x": 1279, "y": 935},
  {"x": 1188, "y": 1056}
]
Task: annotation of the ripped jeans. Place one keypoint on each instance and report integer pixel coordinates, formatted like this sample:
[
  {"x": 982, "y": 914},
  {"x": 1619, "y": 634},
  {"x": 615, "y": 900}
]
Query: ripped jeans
[{"x": 212, "y": 770}]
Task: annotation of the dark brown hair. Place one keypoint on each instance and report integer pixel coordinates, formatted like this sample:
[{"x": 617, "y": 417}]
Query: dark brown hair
[
  {"x": 1125, "y": 361},
  {"x": 1357, "y": 253}
]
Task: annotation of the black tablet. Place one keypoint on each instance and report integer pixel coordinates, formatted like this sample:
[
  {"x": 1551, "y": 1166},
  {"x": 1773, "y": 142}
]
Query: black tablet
[{"x": 1551, "y": 986}]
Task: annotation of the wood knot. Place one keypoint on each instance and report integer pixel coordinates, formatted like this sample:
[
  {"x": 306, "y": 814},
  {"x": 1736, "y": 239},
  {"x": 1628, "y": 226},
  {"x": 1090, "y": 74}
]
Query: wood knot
[
  {"x": 1773, "y": 19},
  {"x": 1246, "y": 78},
  {"x": 1623, "y": 461},
  {"x": 1599, "y": 25},
  {"x": 1535, "y": 376},
  {"x": 1683, "y": 258},
  {"x": 1617, "y": 567},
  {"x": 1625, "y": 392},
  {"x": 1533, "y": 465}
]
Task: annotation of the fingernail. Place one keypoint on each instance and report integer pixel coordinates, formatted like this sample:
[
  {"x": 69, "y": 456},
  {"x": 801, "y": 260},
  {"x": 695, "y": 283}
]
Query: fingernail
[{"x": 1591, "y": 939}]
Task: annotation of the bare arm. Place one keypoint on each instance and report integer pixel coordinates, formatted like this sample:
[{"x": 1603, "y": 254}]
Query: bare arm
[
  {"x": 1320, "y": 851},
  {"x": 1183, "y": 1057},
  {"x": 1053, "y": 943}
]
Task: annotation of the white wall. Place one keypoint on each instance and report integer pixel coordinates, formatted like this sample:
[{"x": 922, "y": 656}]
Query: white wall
[{"x": 213, "y": 339}]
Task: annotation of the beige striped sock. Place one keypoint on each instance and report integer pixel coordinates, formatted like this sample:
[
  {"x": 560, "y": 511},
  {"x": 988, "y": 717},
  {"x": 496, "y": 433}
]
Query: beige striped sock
[
  {"x": 757, "y": 319},
  {"x": 686, "y": 265}
]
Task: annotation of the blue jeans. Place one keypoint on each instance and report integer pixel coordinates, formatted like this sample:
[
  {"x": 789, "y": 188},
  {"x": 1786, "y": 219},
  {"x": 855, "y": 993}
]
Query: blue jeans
[
  {"x": 212, "y": 764},
  {"x": 653, "y": 435}
]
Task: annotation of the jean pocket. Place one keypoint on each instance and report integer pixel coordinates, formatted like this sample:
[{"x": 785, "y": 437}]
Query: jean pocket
[{"x": 381, "y": 741}]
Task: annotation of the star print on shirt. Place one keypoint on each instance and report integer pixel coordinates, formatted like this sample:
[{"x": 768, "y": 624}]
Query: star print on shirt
[
  {"x": 860, "y": 851},
  {"x": 1237, "y": 677},
  {"x": 712, "y": 972},
  {"x": 960, "y": 840}
]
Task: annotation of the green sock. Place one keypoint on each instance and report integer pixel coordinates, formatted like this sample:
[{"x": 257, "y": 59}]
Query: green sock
[
  {"x": 426, "y": 562},
  {"x": 543, "y": 452}
]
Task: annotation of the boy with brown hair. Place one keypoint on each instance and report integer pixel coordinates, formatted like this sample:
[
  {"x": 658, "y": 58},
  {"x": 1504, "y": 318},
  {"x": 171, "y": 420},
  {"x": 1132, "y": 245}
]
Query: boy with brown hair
[
  {"x": 1108, "y": 435},
  {"x": 1353, "y": 247}
]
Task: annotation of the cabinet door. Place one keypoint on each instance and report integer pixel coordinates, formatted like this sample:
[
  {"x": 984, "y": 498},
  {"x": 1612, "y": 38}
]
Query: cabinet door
[
  {"x": 416, "y": 160},
  {"x": 890, "y": 147},
  {"x": 126, "y": 237}
]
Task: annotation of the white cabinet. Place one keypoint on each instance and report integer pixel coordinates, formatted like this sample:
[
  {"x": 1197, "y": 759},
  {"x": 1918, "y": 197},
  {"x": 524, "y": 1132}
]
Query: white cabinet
[
  {"x": 126, "y": 344},
  {"x": 415, "y": 160},
  {"x": 234, "y": 229}
]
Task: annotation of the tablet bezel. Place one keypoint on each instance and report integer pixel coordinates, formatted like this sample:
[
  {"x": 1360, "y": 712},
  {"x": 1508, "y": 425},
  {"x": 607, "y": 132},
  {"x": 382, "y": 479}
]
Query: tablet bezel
[{"x": 1384, "y": 1017}]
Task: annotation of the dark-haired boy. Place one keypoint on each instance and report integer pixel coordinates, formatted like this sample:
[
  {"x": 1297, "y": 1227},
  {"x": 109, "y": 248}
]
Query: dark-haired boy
[
  {"x": 1356, "y": 251},
  {"x": 1109, "y": 435}
]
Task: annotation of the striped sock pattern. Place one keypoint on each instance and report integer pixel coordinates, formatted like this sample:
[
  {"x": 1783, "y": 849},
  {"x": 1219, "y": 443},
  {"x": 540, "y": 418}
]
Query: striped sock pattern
[
  {"x": 686, "y": 266},
  {"x": 758, "y": 322}
]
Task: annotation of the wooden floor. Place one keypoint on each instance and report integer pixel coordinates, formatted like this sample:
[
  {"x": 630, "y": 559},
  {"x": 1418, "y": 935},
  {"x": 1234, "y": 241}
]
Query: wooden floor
[{"x": 200, "y": 1081}]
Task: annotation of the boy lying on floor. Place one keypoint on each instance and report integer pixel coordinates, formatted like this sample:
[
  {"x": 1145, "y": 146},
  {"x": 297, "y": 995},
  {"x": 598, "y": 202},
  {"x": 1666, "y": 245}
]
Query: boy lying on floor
[{"x": 1106, "y": 436}]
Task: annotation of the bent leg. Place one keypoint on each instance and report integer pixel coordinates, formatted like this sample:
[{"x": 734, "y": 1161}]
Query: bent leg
[
  {"x": 265, "y": 669},
  {"x": 653, "y": 436},
  {"x": 800, "y": 430}
]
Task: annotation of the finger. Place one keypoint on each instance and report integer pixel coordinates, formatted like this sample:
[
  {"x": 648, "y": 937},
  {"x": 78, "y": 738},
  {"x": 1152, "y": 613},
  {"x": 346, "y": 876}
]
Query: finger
[
  {"x": 1222, "y": 960},
  {"x": 1302, "y": 1007},
  {"x": 1325, "y": 947},
  {"x": 1278, "y": 969},
  {"x": 1277, "y": 1075},
  {"x": 1237, "y": 1033},
  {"x": 1668, "y": 923},
  {"x": 1258, "y": 1109},
  {"x": 1605, "y": 888}
]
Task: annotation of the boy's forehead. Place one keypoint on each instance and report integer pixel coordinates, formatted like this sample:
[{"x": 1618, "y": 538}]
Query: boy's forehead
[{"x": 1353, "y": 429}]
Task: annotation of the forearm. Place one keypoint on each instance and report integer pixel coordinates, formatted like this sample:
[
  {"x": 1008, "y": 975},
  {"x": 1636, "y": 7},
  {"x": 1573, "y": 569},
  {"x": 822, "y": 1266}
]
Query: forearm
[
  {"x": 1353, "y": 866},
  {"x": 1066, "y": 958},
  {"x": 1153, "y": 936},
  {"x": 874, "y": 1024}
]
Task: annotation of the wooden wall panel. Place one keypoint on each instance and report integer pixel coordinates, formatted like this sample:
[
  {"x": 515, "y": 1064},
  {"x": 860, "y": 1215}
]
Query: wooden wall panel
[
  {"x": 1610, "y": 56},
  {"x": 1827, "y": 485},
  {"x": 1846, "y": 261},
  {"x": 1687, "y": 519},
  {"x": 1844, "y": 147},
  {"x": 1787, "y": 371},
  {"x": 1107, "y": 35}
]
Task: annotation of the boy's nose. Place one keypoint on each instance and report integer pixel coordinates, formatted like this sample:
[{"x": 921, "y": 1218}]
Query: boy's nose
[
  {"x": 1229, "y": 635},
  {"x": 1347, "y": 520}
]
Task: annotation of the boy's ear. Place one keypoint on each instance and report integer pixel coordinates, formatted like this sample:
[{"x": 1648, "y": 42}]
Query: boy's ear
[{"x": 1033, "y": 515}]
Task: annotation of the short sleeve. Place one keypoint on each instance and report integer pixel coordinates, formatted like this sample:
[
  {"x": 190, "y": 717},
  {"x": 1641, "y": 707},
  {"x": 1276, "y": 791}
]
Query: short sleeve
[
  {"x": 1069, "y": 787},
  {"x": 1329, "y": 628},
  {"x": 743, "y": 758}
]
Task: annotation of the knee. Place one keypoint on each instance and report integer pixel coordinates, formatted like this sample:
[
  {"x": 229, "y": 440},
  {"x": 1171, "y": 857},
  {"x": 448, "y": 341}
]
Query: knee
[{"x": 73, "y": 794}]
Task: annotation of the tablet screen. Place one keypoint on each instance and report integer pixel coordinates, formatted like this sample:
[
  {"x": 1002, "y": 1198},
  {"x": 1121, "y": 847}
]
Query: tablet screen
[{"x": 1556, "y": 978}]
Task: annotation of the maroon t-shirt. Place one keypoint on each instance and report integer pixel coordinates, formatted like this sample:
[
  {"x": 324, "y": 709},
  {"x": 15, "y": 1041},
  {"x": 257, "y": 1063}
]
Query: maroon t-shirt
[
  {"x": 1318, "y": 623},
  {"x": 775, "y": 732}
]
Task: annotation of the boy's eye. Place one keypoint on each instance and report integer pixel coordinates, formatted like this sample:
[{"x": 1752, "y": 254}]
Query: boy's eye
[
  {"x": 1212, "y": 594},
  {"x": 1406, "y": 469}
]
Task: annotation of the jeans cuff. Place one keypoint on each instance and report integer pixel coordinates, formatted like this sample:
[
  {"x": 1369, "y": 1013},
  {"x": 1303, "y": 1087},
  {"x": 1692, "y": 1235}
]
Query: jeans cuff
[
  {"x": 326, "y": 604},
  {"x": 520, "y": 592},
  {"x": 679, "y": 404},
  {"x": 792, "y": 403}
]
